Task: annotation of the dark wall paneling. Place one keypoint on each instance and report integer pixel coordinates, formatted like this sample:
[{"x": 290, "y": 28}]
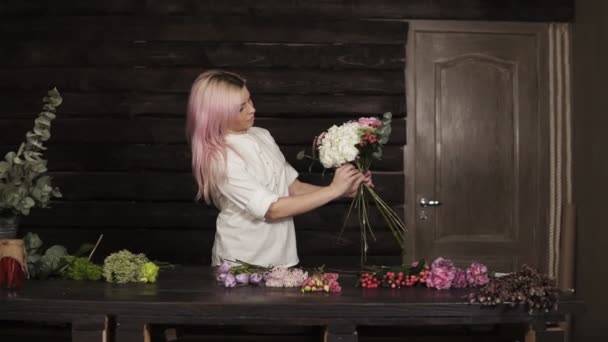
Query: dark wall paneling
[
  {"x": 118, "y": 150},
  {"x": 525, "y": 10},
  {"x": 214, "y": 28},
  {"x": 93, "y": 214},
  {"x": 129, "y": 104},
  {"x": 176, "y": 53},
  {"x": 158, "y": 186},
  {"x": 140, "y": 157},
  {"x": 179, "y": 80},
  {"x": 169, "y": 130}
]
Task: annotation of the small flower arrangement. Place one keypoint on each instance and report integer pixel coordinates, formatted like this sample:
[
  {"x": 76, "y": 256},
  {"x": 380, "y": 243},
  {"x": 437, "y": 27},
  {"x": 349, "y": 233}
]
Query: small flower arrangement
[{"x": 360, "y": 142}]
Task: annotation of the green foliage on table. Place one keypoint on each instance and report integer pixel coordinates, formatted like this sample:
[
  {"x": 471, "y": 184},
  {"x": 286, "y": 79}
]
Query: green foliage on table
[
  {"x": 42, "y": 265},
  {"x": 80, "y": 268},
  {"x": 124, "y": 267}
]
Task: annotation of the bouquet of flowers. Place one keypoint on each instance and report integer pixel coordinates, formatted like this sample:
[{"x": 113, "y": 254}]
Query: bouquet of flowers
[{"x": 360, "y": 142}]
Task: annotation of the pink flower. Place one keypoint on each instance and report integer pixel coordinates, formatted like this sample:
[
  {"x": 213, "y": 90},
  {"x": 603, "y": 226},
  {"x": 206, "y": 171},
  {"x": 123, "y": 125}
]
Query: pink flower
[
  {"x": 441, "y": 278},
  {"x": 477, "y": 274},
  {"x": 318, "y": 139},
  {"x": 460, "y": 279},
  {"x": 285, "y": 277},
  {"x": 441, "y": 262},
  {"x": 331, "y": 276},
  {"x": 370, "y": 122},
  {"x": 368, "y": 137},
  {"x": 442, "y": 274},
  {"x": 334, "y": 286}
]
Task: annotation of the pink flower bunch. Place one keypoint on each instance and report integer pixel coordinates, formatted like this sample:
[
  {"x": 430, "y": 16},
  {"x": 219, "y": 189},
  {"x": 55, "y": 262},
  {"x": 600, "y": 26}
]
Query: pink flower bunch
[
  {"x": 285, "y": 277},
  {"x": 327, "y": 282},
  {"x": 445, "y": 275},
  {"x": 477, "y": 274}
]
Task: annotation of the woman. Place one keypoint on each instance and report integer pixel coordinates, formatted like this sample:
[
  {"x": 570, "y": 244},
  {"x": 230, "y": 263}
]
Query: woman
[{"x": 240, "y": 169}]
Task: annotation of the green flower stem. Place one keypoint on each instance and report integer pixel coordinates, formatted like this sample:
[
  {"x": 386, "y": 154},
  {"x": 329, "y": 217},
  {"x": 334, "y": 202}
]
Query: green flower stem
[
  {"x": 395, "y": 224},
  {"x": 360, "y": 202}
]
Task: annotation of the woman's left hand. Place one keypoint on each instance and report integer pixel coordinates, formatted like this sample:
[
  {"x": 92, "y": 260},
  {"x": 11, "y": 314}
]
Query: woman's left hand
[{"x": 367, "y": 180}]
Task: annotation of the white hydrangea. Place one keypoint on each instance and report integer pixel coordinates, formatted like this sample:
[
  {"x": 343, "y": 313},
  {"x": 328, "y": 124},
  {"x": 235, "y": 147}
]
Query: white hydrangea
[{"x": 338, "y": 145}]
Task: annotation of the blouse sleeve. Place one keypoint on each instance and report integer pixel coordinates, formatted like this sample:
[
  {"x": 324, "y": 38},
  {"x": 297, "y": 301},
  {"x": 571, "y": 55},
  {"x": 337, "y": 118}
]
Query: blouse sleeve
[
  {"x": 290, "y": 173},
  {"x": 245, "y": 191}
]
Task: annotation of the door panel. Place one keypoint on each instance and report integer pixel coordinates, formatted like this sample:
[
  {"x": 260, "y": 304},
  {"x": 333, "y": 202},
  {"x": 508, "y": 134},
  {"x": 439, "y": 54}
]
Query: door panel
[{"x": 478, "y": 143}]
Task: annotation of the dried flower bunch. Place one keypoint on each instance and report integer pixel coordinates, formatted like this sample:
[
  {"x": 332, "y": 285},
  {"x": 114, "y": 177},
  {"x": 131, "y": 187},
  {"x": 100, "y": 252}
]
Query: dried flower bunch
[{"x": 527, "y": 287}]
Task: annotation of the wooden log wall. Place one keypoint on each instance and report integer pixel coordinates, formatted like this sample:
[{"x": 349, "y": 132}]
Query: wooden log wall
[
  {"x": 124, "y": 68},
  {"x": 118, "y": 150}
]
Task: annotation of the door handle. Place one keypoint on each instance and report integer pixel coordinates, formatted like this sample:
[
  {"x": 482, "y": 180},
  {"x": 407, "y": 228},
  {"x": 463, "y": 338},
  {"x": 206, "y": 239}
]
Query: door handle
[{"x": 429, "y": 203}]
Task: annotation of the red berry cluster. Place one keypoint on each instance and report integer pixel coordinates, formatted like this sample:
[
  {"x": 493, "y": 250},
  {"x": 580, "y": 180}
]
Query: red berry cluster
[
  {"x": 394, "y": 279},
  {"x": 369, "y": 281}
]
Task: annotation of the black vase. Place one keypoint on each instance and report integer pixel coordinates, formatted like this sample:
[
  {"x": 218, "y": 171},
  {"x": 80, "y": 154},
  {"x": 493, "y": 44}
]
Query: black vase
[{"x": 8, "y": 226}]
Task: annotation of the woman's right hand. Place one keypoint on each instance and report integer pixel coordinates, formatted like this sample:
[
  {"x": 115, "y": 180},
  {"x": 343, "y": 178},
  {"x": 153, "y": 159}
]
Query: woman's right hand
[{"x": 346, "y": 177}]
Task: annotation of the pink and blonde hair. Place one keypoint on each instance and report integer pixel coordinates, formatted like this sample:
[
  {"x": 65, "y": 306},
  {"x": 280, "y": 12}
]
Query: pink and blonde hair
[{"x": 215, "y": 99}]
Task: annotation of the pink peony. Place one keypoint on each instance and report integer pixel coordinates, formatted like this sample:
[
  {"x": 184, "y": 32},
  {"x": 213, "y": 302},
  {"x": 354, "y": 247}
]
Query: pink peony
[
  {"x": 477, "y": 274},
  {"x": 370, "y": 122},
  {"x": 441, "y": 278},
  {"x": 460, "y": 279},
  {"x": 442, "y": 274},
  {"x": 441, "y": 262}
]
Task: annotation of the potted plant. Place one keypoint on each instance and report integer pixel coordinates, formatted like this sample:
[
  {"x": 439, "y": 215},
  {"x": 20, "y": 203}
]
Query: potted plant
[{"x": 23, "y": 182}]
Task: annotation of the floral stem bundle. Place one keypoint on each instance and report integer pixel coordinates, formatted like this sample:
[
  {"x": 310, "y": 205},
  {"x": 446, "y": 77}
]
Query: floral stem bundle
[{"x": 360, "y": 142}]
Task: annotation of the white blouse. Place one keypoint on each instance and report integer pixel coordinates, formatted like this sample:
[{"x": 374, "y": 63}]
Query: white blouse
[{"x": 257, "y": 176}]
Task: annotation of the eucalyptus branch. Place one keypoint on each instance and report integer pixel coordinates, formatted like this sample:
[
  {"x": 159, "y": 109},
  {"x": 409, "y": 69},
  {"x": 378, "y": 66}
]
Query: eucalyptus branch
[{"x": 22, "y": 183}]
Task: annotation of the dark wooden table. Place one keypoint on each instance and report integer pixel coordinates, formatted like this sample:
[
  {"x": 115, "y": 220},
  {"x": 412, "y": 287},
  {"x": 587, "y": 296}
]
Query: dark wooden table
[{"x": 189, "y": 295}]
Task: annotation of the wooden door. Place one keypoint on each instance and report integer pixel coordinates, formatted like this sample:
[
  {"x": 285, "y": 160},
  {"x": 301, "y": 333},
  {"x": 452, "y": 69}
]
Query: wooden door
[{"x": 477, "y": 142}]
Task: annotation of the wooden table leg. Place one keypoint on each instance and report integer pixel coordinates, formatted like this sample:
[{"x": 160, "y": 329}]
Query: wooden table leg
[
  {"x": 538, "y": 332},
  {"x": 129, "y": 331},
  {"x": 341, "y": 333},
  {"x": 88, "y": 328}
]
